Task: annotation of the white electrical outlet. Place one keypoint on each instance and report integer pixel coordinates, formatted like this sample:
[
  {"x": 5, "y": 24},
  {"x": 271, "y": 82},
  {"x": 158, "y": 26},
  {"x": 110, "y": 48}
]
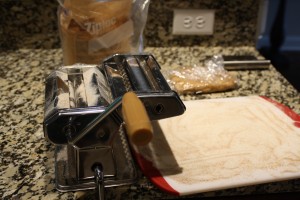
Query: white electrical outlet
[{"x": 193, "y": 22}]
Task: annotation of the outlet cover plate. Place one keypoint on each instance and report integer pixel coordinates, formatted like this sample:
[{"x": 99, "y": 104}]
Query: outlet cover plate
[{"x": 193, "y": 22}]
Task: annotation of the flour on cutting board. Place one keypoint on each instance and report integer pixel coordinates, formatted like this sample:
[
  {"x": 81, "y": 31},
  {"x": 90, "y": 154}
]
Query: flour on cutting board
[{"x": 223, "y": 142}]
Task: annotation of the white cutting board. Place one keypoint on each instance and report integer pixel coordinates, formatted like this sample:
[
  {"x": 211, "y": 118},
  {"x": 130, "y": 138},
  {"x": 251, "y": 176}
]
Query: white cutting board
[{"x": 223, "y": 143}]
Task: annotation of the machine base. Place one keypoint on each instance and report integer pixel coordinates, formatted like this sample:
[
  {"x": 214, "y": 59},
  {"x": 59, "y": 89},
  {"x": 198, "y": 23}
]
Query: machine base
[{"x": 68, "y": 166}]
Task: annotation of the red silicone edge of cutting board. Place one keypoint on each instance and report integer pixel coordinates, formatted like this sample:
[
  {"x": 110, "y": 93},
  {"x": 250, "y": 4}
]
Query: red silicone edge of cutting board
[
  {"x": 154, "y": 174},
  {"x": 288, "y": 111}
]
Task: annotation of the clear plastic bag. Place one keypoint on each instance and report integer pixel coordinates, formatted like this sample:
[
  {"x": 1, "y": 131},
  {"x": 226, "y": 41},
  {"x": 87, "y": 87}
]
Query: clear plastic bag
[
  {"x": 92, "y": 30},
  {"x": 198, "y": 79}
]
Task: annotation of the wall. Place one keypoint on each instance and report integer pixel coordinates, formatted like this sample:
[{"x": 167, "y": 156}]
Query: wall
[
  {"x": 291, "y": 27},
  {"x": 31, "y": 22},
  {"x": 26, "y": 23},
  {"x": 235, "y": 23},
  {"x": 280, "y": 30}
]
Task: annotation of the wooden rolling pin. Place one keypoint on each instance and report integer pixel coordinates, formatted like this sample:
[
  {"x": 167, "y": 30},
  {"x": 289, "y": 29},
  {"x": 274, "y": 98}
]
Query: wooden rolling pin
[{"x": 137, "y": 123}]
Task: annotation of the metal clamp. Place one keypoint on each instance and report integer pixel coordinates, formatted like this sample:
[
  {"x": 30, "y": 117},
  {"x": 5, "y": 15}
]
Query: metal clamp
[{"x": 99, "y": 180}]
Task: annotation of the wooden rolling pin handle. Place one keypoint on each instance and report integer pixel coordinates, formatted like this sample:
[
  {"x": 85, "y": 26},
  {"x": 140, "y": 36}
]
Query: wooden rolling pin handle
[{"x": 137, "y": 123}]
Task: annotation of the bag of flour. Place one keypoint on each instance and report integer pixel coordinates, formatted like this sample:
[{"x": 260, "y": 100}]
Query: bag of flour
[{"x": 91, "y": 30}]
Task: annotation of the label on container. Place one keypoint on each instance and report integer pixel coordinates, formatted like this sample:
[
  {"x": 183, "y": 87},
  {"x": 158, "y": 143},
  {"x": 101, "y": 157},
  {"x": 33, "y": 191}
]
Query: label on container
[{"x": 111, "y": 38}]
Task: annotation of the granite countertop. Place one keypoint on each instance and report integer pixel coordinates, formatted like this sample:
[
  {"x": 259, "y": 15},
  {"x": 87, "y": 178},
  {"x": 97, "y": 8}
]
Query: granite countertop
[{"x": 27, "y": 158}]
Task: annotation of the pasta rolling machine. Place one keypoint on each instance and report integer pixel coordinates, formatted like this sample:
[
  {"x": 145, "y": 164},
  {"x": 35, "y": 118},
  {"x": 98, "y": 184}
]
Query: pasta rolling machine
[{"x": 94, "y": 113}]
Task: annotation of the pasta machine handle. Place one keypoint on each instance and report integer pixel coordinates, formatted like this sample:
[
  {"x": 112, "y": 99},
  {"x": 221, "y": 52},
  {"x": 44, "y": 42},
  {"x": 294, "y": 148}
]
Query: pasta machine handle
[{"x": 137, "y": 123}]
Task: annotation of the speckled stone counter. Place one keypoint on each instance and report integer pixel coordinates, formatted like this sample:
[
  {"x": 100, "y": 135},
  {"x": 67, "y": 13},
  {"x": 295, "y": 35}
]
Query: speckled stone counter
[
  {"x": 30, "y": 50},
  {"x": 27, "y": 159}
]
